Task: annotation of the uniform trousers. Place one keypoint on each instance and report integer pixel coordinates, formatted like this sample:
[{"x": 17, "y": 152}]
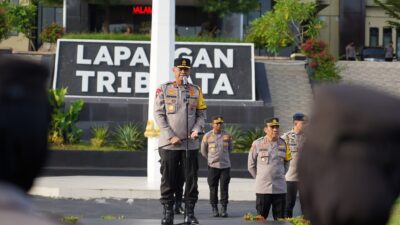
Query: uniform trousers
[
  {"x": 291, "y": 196},
  {"x": 179, "y": 186},
  {"x": 222, "y": 176},
  {"x": 170, "y": 168},
  {"x": 264, "y": 202}
]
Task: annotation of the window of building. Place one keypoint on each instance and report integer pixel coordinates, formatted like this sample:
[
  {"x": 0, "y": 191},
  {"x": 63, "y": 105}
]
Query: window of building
[
  {"x": 373, "y": 36},
  {"x": 387, "y": 36}
]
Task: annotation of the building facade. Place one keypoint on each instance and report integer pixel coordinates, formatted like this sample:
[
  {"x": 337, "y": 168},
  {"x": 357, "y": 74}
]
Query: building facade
[{"x": 360, "y": 21}]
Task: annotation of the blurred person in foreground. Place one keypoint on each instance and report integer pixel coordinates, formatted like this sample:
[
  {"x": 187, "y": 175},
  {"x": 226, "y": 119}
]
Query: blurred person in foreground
[
  {"x": 294, "y": 138},
  {"x": 25, "y": 116},
  {"x": 348, "y": 170}
]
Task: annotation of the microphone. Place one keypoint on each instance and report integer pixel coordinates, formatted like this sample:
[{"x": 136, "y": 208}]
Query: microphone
[{"x": 185, "y": 81}]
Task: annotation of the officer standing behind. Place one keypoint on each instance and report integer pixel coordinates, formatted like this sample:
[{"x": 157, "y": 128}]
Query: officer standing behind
[
  {"x": 268, "y": 162},
  {"x": 215, "y": 147},
  {"x": 173, "y": 100},
  {"x": 295, "y": 139}
]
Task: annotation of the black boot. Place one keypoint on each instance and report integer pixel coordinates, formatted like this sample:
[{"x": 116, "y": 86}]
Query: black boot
[
  {"x": 223, "y": 211},
  {"x": 215, "y": 212},
  {"x": 189, "y": 215},
  {"x": 178, "y": 210},
  {"x": 168, "y": 215}
]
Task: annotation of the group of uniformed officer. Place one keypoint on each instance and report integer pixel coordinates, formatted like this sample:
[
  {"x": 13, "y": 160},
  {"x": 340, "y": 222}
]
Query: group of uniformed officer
[{"x": 180, "y": 113}]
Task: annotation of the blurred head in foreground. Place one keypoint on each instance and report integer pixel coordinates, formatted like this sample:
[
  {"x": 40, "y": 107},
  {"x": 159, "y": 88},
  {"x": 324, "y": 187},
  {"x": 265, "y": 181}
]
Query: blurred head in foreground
[
  {"x": 25, "y": 115},
  {"x": 349, "y": 169}
]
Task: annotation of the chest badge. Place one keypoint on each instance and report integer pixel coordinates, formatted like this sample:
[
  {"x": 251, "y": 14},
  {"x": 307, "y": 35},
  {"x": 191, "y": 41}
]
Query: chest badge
[{"x": 171, "y": 91}]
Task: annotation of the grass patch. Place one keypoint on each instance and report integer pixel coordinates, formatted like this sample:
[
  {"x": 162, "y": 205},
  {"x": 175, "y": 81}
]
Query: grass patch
[
  {"x": 70, "y": 219},
  {"x": 144, "y": 37},
  {"x": 299, "y": 220},
  {"x": 111, "y": 217},
  {"x": 86, "y": 147}
]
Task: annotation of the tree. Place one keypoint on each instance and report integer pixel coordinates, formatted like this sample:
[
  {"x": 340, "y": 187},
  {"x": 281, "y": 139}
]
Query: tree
[
  {"x": 392, "y": 8},
  {"x": 290, "y": 22},
  {"x": 217, "y": 9},
  {"x": 4, "y": 25},
  {"x": 22, "y": 19}
]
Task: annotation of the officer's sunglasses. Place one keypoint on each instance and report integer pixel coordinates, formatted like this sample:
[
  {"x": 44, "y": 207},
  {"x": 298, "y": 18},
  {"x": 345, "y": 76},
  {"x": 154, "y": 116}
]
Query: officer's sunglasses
[{"x": 274, "y": 126}]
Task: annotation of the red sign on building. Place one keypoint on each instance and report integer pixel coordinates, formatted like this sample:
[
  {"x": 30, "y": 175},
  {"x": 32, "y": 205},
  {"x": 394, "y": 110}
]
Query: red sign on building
[{"x": 141, "y": 10}]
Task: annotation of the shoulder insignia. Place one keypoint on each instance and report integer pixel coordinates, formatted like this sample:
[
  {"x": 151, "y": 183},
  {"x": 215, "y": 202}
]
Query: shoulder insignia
[
  {"x": 192, "y": 92},
  {"x": 201, "y": 105},
  {"x": 158, "y": 91},
  {"x": 204, "y": 138}
]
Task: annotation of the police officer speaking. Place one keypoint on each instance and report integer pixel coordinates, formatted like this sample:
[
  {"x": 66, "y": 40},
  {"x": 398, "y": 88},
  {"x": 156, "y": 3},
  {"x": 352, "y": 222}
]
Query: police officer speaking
[
  {"x": 176, "y": 101},
  {"x": 215, "y": 147},
  {"x": 268, "y": 162}
]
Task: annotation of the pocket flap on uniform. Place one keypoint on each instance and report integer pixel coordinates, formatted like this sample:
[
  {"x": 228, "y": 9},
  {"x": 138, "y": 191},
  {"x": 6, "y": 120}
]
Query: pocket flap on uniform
[
  {"x": 263, "y": 153},
  {"x": 171, "y": 108}
]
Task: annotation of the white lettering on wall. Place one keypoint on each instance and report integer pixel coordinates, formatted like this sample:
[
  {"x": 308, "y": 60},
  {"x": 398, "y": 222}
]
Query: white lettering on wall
[
  {"x": 142, "y": 82},
  {"x": 80, "y": 54},
  {"x": 139, "y": 57},
  {"x": 202, "y": 59},
  {"x": 223, "y": 84},
  {"x": 204, "y": 80},
  {"x": 226, "y": 59},
  {"x": 186, "y": 53},
  {"x": 103, "y": 56},
  {"x": 124, "y": 82},
  {"x": 121, "y": 53},
  {"x": 105, "y": 79},
  {"x": 85, "y": 78}
]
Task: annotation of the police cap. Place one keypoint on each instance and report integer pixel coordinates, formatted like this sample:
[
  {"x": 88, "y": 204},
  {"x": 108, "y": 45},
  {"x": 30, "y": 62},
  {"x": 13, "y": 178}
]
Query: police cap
[
  {"x": 182, "y": 63},
  {"x": 217, "y": 119},
  {"x": 273, "y": 121},
  {"x": 299, "y": 117}
]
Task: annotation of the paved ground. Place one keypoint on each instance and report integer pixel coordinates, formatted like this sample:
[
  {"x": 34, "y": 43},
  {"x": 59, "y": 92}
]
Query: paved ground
[
  {"x": 132, "y": 200},
  {"x": 88, "y": 187},
  {"x": 137, "y": 211}
]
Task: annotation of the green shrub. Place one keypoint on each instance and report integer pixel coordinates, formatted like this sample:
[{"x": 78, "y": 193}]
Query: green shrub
[
  {"x": 22, "y": 19},
  {"x": 243, "y": 144},
  {"x": 129, "y": 136},
  {"x": 236, "y": 134},
  {"x": 51, "y": 33},
  {"x": 99, "y": 136},
  {"x": 322, "y": 65},
  {"x": 63, "y": 121},
  {"x": 4, "y": 26}
]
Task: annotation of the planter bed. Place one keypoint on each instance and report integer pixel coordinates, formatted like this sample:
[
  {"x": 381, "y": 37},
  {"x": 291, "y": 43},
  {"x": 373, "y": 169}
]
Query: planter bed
[{"x": 119, "y": 163}]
